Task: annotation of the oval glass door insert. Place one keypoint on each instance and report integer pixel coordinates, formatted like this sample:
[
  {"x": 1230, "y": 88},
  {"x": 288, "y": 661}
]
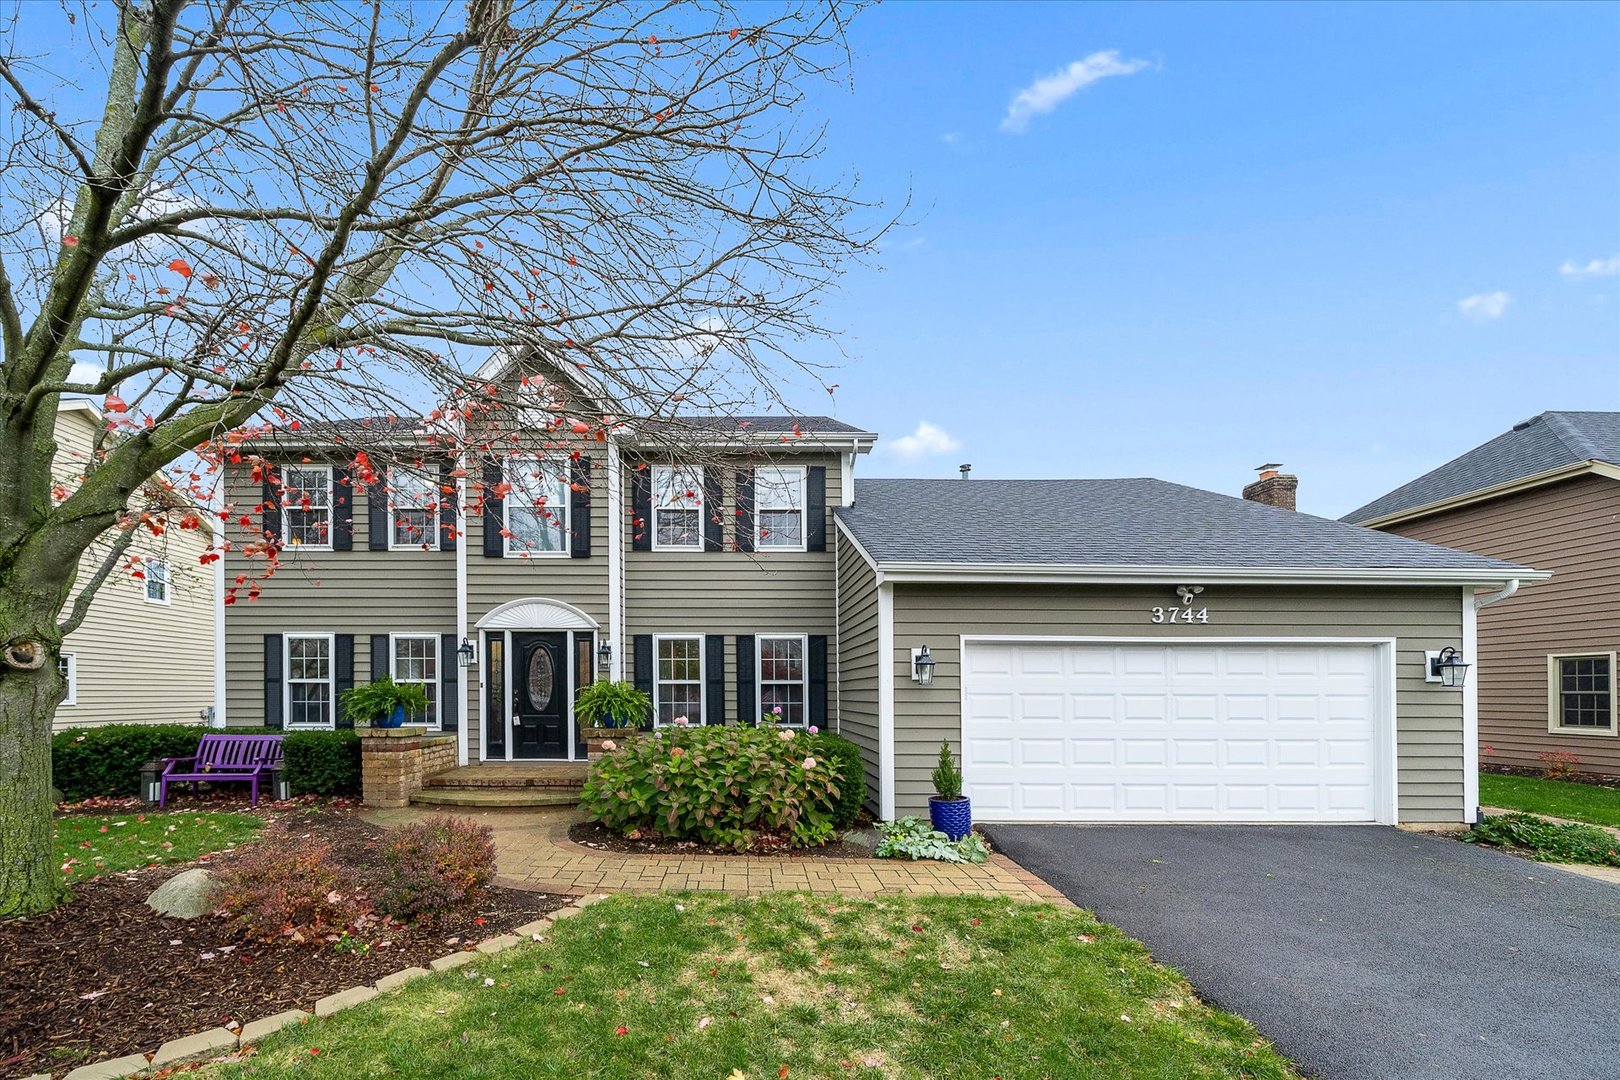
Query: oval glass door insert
[{"x": 542, "y": 678}]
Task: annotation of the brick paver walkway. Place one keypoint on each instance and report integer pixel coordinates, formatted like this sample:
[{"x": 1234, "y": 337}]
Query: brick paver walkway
[{"x": 532, "y": 851}]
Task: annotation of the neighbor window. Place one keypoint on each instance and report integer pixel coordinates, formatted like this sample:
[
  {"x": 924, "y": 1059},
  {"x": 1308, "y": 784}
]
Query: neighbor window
[
  {"x": 678, "y": 688},
  {"x": 309, "y": 681},
  {"x": 677, "y": 508},
  {"x": 782, "y": 679},
  {"x": 416, "y": 662},
  {"x": 779, "y": 506},
  {"x": 1581, "y": 694},
  {"x": 413, "y": 513},
  {"x": 67, "y": 665},
  {"x": 537, "y": 507},
  {"x": 157, "y": 580},
  {"x": 306, "y": 506}
]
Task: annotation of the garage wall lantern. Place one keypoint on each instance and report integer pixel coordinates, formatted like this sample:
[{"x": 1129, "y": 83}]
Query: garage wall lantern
[
  {"x": 1447, "y": 667},
  {"x": 922, "y": 666}
]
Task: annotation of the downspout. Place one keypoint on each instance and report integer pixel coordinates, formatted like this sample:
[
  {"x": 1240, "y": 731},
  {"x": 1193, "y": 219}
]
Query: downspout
[
  {"x": 615, "y": 490},
  {"x": 461, "y": 595},
  {"x": 218, "y": 530},
  {"x": 1496, "y": 597},
  {"x": 1472, "y": 603}
]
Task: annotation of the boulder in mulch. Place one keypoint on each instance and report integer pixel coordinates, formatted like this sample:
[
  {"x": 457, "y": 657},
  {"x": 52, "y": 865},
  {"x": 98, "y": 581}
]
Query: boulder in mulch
[{"x": 187, "y": 895}]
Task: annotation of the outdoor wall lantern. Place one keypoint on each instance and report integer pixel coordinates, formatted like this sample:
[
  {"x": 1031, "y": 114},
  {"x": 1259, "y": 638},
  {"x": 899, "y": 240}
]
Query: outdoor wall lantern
[
  {"x": 604, "y": 655},
  {"x": 922, "y": 666},
  {"x": 1448, "y": 667},
  {"x": 465, "y": 653}
]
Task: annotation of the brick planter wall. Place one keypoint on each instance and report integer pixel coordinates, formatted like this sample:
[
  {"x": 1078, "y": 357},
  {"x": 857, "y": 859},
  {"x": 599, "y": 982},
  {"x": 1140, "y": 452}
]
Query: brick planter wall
[{"x": 395, "y": 761}]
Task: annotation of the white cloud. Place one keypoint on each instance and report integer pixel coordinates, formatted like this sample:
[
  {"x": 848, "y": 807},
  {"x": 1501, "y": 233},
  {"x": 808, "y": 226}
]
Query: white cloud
[
  {"x": 951, "y": 138},
  {"x": 1483, "y": 307},
  {"x": 85, "y": 372},
  {"x": 1048, "y": 92},
  {"x": 926, "y": 441},
  {"x": 1596, "y": 268}
]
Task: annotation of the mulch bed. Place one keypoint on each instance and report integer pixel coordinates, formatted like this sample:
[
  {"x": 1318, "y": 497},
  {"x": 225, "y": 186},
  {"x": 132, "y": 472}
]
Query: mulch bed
[
  {"x": 591, "y": 835},
  {"x": 1602, "y": 780},
  {"x": 104, "y": 976}
]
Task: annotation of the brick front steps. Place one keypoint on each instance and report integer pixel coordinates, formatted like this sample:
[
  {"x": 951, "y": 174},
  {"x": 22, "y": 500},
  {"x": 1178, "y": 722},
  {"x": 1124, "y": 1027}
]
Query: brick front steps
[
  {"x": 505, "y": 784},
  {"x": 495, "y": 797}
]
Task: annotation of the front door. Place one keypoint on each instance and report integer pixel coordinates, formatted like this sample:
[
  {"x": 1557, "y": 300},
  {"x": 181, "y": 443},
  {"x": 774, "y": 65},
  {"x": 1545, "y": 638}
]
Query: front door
[{"x": 540, "y": 695}]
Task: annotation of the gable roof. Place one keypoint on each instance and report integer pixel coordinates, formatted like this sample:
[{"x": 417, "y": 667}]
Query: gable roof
[
  {"x": 700, "y": 427},
  {"x": 1130, "y": 525},
  {"x": 1542, "y": 444}
]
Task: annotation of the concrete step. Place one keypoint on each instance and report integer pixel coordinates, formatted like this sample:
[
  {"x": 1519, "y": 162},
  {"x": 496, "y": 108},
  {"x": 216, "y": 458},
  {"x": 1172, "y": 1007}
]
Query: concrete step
[
  {"x": 454, "y": 783},
  {"x": 494, "y": 797}
]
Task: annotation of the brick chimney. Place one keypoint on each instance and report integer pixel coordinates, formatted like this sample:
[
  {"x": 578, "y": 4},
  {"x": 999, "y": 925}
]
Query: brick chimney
[{"x": 1273, "y": 488}]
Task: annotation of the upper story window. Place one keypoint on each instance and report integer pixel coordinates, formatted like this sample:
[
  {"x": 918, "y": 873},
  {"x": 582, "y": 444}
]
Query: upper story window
[
  {"x": 157, "y": 580},
  {"x": 1581, "y": 697},
  {"x": 783, "y": 688},
  {"x": 306, "y": 506},
  {"x": 310, "y": 690},
  {"x": 779, "y": 508},
  {"x": 413, "y": 511},
  {"x": 537, "y": 507},
  {"x": 677, "y": 508}
]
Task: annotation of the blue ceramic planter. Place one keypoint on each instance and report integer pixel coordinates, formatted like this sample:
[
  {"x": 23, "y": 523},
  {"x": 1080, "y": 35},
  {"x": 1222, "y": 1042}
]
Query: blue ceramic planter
[
  {"x": 393, "y": 719},
  {"x": 953, "y": 817}
]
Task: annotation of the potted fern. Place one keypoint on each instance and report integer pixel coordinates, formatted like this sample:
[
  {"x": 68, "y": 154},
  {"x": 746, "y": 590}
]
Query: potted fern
[
  {"x": 949, "y": 810},
  {"x": 383, "y": 703},
  {"x": 606, "y": 708}
]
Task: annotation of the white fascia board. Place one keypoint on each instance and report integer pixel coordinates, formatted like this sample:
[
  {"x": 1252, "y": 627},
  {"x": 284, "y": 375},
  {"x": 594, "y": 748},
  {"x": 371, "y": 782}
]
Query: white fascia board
[
  {"x": 1037, "y": 573},
  {"x": 1512, "y": 487},
  {"x": 859, "y": 550},
  {"x": 851, "y": 442},
  {"x": 80, "y": 404}
]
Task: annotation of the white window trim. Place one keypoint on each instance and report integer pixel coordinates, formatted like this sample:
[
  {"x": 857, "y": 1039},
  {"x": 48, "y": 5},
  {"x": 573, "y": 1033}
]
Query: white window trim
[
  {"x": 697, "y": 536},
  {"x": 286, "y": 522},
  {"x": 435, "y": 514},
  {"x": 702, "y": 679},
  {"x": 438, "y": 675},
  {"x": 759, "y": 674},
  {"x": 71, "y": 662},
  {"x": 760, "y": 546},
  {"x": 1555, "y": 711},
  {"x": 287, "y": 680},
  {"x": 146, "y": 582},
  {"x": 567, "y": 510}
]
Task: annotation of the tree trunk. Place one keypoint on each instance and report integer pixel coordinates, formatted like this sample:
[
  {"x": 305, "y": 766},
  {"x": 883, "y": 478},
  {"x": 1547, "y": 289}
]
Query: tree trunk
[{"x": 29, "y": 879}]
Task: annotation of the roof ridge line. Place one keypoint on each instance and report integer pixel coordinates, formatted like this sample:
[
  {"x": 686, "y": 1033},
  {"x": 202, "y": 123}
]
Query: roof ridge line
[{"x": 1565, "y": 432}]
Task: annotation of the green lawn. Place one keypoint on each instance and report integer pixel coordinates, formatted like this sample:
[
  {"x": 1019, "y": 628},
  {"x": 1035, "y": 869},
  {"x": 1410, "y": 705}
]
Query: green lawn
[
  {"x": 105, "y": 843},
  {"x": 789, "y": 985},
  {"x": 1554, "y": 798}
]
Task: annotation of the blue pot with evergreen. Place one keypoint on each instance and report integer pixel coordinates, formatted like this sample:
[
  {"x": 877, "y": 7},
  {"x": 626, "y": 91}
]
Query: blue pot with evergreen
[{"x": 949, "y": 810}]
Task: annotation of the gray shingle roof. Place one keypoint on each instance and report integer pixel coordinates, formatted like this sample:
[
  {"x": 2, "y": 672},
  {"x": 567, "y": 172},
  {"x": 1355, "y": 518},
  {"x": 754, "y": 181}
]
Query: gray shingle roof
[
  {"x": 762, "y": 425},
  {"x": 1132, "y": 522},
  {"x": 1537, "y": 445}
]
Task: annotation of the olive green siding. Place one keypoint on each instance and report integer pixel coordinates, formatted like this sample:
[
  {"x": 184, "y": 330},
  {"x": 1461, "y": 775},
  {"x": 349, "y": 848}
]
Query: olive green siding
[
  {"x": 856, "y": 658},
  {"x": 1429, "y": 718}
]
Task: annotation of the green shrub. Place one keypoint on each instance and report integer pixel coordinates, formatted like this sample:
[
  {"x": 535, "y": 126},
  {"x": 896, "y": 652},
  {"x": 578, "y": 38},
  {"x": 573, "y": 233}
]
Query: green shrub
[
  {"x": 1548, "y": 839},
  {"x": 947, "y": 777},
  {"x": 435, "y": 867},
  {"x": 851, "y": 776},
  {"x": 322, "y": 762},
  {"x": 913, "y": 838},
  {"x": 730, "y": 786},
  {"x": 106, "y": 761}
]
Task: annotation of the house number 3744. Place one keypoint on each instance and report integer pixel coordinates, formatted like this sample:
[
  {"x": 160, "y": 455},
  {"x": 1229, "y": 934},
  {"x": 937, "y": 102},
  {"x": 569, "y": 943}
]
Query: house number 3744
[{"x": 1180, "y": 615}]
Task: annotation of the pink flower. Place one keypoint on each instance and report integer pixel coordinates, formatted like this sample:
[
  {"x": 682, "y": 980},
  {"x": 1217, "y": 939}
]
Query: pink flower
[
  {"x": 777, "y": 710},
  {"x": 785, "y": 735},
  {"x": 681, "y": 721},
  {"x": 814, "y": 730},
  {"x": 609, "y": 744},
  {"x": 809, "y": 762}
]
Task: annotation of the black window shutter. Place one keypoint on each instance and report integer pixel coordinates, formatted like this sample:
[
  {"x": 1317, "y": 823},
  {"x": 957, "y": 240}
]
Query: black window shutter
[
  {"x": 641, "y": 509},
  {"x": 714, "y": 678},
  {"x": 745, "y": 509},
  {"x": 343, "y": 509},
  {"x": 377, "y": 511},
  {"x": 643, "y": 646},
  {"x": 494, "y": 511},
  {"x": 817, "y": 669},
  {"x": 815, "y": 508},
  {"x": 343, "y": 669},
  {"x": 382, "y": 663},
  {"x": 270, "y": 507},
  {"x": 714, "y": 526},
  {"x": 579, "y": 508},
  {"x": 449, "y": 664},
  {"x": 272, "y": 681},
  {"x": 747, "y": 704},
  {"x": 447, "y": 509}
]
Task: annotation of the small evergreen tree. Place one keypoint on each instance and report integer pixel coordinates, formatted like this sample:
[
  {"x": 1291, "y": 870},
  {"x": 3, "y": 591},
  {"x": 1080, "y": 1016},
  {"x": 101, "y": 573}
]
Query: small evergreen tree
[{"x": 947, "y": 777}]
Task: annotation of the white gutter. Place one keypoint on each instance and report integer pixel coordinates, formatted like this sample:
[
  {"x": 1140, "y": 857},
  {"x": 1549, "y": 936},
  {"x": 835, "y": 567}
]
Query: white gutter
[{"x": 1036, "y": 573}]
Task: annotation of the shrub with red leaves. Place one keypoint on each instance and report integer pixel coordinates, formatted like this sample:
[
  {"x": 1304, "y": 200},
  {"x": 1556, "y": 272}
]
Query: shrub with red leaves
[
  {"x": 435, "y": 867},
  {"x": 286, "y": 885}
]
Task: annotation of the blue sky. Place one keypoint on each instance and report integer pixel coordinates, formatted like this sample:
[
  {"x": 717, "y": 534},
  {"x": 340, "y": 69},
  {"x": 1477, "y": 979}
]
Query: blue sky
[{"x": 1256, "y": 241}]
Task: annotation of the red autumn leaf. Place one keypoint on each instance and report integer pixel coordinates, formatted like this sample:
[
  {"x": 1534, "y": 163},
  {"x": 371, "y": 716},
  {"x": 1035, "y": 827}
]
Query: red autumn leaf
[
  {"x": 734, "y": 34},
  {"x": 114, "y": 404},
  {"x": 70, "y": 241},
  {"x": 621, "y": 1030},
  {"x": 560, "y": 990},
  {"x": 181, "y": 267}
]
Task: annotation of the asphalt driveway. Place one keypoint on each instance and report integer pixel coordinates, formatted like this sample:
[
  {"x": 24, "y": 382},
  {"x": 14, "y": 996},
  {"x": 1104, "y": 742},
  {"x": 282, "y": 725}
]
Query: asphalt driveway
[{"x": 1363, "y": 952}]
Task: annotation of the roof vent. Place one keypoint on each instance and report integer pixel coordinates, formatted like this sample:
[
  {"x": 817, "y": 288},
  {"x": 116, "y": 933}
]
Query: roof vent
[
  {"x": 964, "y": 470},
  {"x": 1522, "y": 424}
]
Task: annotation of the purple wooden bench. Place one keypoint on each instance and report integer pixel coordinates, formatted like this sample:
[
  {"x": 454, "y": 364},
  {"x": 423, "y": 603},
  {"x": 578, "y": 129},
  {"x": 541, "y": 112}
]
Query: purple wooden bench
[{"x": 223, "y": 758}]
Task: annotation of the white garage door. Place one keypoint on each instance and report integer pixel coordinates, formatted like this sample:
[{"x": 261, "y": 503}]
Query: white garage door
[{"x": 1131, "y": 732}]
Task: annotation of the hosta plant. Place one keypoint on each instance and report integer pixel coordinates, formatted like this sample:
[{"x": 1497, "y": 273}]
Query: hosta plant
[{"x": 730, "y": 786}]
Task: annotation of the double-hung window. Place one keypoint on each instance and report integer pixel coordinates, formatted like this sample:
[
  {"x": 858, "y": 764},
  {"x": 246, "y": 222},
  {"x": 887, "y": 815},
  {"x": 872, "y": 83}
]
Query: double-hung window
[
  {"x": 67, "y": 666},
  {"x": 537, "y": 507},
  {"x": 306, "y": 506},
  {"x": 310, "y": 697},
  {"x": 1581, "y": 697},
  {"x": 779, "y": 506},
  {"x": 413, "y": 511},
  {"x": 782, "y": 682},
  {"x": 678, "y": 689},
  {"x": 157, "y": 580},
  {"x": 416, "y": 662},
  {"x": 677, "y": 508}
]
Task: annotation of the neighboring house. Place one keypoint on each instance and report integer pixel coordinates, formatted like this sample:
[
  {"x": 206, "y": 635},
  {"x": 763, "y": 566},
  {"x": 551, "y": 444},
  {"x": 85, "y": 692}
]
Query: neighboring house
[
  {"x": 1545, "y": 493},
  {"x": 145, "y": 651},
  {"x": 1121, "y": 650}
]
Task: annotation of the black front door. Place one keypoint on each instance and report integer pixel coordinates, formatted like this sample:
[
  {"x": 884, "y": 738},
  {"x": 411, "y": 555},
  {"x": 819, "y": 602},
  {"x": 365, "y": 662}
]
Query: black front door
[{"x": 540, "y": 695}]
